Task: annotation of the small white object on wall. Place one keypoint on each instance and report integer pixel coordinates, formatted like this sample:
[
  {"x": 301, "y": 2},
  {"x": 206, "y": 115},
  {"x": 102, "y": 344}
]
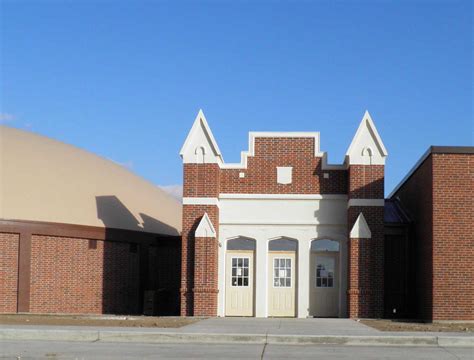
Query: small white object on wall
[{"x": 284, "y": 174}]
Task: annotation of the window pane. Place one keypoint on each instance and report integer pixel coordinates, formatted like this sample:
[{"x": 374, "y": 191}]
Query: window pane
[
  {"x": 275, "y": 263},
  {"x": 288, "y": 272},
  {"x": 282, "y": 282},
  {"x": 325, "y": 245},
  {"x": 239, "y": 262},
  {"x": 318, "y": 282},
  {"x": 246, "y": 282},
  {"x": 246, "y": 272},
  {"x": 288, "y": 263},
  {"x": 234, "y": 271},
  {"x": 329, "y": 282},
  {"x": 282, "y": 262},
  {"x": 234, "y": 262},
  {"x": 288, "y": 282},
  {"x": 246, "y": 263},
  {"x": 239, "y": 281},
  {"x": 324, "y": 282},
  {"x": 234, "y": 281}
]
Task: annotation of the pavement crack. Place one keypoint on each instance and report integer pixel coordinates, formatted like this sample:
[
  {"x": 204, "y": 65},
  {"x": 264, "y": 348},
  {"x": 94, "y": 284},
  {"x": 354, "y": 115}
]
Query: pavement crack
[
  {"x": 449, "y": 352},
  {"x": 264, "y": 346}
]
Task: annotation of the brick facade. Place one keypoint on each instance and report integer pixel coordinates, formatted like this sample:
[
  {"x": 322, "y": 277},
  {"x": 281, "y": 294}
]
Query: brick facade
[
  {"x": 71, "y": 276},
  {"x": 438, "y": 196},
  {"x": 192, "y": 215},
  {"x": 62, "y": 268},
  {"x": 205, "y": 276},
  {"x": 9, "y": 244},
  {"x": 261, "y": 174},
  {"x": 366, "y": 265}
]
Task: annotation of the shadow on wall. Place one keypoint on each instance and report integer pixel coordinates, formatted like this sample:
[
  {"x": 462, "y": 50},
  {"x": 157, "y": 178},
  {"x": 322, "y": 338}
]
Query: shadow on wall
[
  {"x": 132, "y": 258},
  {"x": 114, "y": 214}
]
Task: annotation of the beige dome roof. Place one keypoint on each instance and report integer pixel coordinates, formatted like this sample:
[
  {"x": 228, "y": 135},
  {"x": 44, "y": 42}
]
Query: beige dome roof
[{"x": 46, "y": 180}]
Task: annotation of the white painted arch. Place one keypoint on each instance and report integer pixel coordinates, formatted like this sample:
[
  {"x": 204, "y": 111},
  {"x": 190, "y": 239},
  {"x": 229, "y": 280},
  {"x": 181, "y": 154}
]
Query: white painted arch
[{"x": 304, "y": 236}]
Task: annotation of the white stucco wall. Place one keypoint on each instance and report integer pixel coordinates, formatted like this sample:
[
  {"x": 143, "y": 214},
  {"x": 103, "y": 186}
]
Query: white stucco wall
[{"x": 301, "y": 219}]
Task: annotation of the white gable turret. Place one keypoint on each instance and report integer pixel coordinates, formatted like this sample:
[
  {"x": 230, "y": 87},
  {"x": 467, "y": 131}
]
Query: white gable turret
[
  {"x": 205, "y": 228},
  {"x": 200, "y": 145},
  {"x": 366, "y": 147},
  {"x": 361, "y": 229}
]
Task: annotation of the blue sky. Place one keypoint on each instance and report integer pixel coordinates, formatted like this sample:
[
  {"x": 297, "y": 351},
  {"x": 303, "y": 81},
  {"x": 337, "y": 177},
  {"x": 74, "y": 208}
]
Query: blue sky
[{"x": 125, "y": 79}]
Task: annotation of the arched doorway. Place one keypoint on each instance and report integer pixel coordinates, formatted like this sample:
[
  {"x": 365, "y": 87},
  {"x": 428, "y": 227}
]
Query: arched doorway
[
  {"x": 239, "y": 278},
  {"x": 324, "y": 278},
  {"x": 282, "y": 270}
]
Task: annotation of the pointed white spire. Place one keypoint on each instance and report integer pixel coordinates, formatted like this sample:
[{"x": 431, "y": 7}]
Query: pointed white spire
[
  {"x": 200, "y": 145},
  {"x": 205, "y": 228},
  {"x": 361, "y": 229},
  {"x": 366, "y": 147}
]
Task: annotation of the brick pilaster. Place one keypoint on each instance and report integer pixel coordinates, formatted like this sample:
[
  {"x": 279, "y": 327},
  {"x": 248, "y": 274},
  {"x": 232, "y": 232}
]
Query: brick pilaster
[
  {"x": 205, "y": 276},
  {"x": 200, "y": 181},
  {"x": 366, "y": 255}
]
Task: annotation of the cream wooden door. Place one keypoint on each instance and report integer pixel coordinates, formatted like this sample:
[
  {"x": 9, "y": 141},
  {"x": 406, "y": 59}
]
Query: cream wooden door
[
  {"x": 239, "y": 283},
  {"x": 324, "y": 284},
  {"x": 281, "y": 284}
]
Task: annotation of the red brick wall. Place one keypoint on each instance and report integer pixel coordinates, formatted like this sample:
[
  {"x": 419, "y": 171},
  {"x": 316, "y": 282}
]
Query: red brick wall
[
  {"x": 205, "y": 277},
  {"x": 192, "y": 215},
  {"x": 69, "y": 276},
  {"x": 201, "y": 180},
  {"x": 438, "y": 197},
  {"x": 261, "y": 173},
  {"x": 453, "y": 236},
  {"x": 366, "y": 265},
  {"x": 366, "y": 182},
  {"x": 416, "y": 196},
  {"x": 8, "y": 272}
]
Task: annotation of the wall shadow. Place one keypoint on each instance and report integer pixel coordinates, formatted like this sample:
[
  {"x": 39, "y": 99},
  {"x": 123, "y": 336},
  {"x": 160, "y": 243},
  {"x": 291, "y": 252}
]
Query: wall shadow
[{"x": 141, "y": 265}]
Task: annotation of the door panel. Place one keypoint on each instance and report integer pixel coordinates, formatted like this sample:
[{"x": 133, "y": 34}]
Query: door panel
[
  {"x": 239, "y": 284},
  {"x": 281, "y": 284},
  {"x": 324, "y": 284}
]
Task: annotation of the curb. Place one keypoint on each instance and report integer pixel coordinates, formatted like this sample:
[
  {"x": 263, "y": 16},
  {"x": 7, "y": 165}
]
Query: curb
[{"x": 181, "y": 338}]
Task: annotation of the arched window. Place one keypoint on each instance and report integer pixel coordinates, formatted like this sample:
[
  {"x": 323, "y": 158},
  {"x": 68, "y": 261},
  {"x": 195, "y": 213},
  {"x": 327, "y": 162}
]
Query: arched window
[
  {"x": 282, "y": 244},
  {"x": 241, "y": 243},
  {"x": 324, "y": 245}
]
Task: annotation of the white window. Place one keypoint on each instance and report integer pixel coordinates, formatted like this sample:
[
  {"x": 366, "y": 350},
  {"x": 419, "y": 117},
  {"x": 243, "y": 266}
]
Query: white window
[
  {"x": 281, "y": 272},
  {"x": 240, "y": 271},
  {"x": 284, "y": 174}
]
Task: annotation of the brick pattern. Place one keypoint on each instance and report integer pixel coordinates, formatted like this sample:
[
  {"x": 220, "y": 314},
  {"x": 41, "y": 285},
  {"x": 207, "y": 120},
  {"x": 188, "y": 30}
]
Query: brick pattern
[
  {"x": 192, "y": 215},
  {"x": 416, "y": 196},
  {"x": 453, "y": 236},
  {"x": 366, "y": 265},
  {"x": 201, "y": 180},
  {"x": 8, "y": 272},
  {"x": 261, "y": 174},
  {"x": 69, "y": 276},
  {"x": 366, "y": 256},
  {"x": 366, "y": 182},
  {"x": 205, "y": 276}
]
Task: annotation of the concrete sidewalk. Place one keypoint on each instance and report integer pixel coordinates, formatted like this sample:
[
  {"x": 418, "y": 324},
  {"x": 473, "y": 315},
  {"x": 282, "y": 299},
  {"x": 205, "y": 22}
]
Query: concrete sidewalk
[{"x": 244, "y": 331}]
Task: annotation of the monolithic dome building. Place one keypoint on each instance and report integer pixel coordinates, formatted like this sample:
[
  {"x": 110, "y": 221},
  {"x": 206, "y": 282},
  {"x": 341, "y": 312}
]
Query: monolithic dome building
[{"x": 82, "y": 234}]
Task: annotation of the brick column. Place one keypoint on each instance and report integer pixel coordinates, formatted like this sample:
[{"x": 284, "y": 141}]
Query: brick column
[
  {"x": 366, "y": 255},
  {"x": 201, "y": 181},
  {"x": 205, "y": 276}
]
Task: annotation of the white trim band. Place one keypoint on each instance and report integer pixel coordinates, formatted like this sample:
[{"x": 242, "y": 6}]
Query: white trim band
[
  {"x": 366, "y": 202},
  {"x": 284, "y": 196},
  {"x": 200, "y": 201}
]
